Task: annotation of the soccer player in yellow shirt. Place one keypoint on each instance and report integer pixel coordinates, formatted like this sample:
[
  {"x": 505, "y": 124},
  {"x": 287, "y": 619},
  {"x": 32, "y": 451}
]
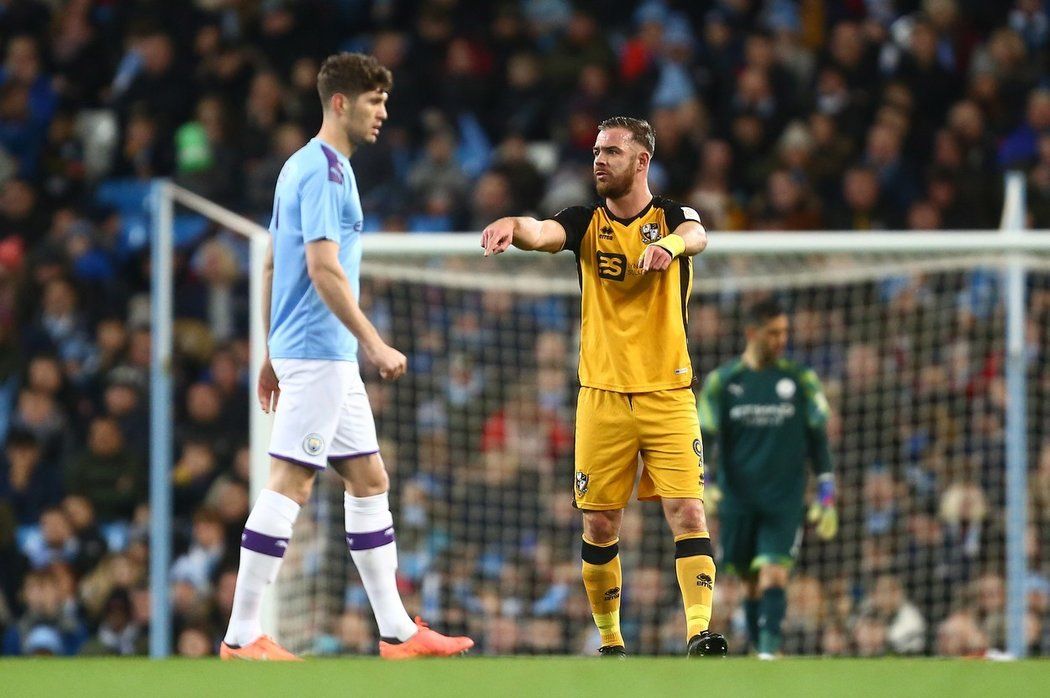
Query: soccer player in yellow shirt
[{"x": 633, "y": 255}]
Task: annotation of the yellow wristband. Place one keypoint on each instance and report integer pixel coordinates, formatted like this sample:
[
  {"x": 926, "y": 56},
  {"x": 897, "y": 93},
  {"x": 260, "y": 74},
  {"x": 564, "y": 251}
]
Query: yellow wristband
[{"x": 675, "y": 244}]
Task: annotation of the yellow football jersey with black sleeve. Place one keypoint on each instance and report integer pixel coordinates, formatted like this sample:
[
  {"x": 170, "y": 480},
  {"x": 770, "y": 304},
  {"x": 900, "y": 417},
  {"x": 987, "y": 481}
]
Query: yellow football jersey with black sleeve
[{"x": 633, "y": 333}]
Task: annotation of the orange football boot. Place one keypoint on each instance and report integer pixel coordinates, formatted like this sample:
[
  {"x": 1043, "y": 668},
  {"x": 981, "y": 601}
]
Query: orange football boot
[
  {"x": 265, "y": 649},
  {"x": 425, "y": 643}
]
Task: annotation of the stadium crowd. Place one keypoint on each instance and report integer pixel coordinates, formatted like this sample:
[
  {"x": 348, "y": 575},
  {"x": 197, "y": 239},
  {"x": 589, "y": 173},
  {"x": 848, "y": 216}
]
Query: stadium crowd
[{"x": 781, "y": 115}]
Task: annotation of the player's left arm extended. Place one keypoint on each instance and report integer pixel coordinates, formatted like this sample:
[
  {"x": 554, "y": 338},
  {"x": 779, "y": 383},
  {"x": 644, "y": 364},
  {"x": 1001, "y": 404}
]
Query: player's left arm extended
[
  {"x": 822, "y": 513},
  {"x": 688, "y": 239}
]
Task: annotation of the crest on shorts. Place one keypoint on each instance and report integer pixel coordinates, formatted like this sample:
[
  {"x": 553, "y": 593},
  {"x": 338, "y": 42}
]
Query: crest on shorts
[
  {"x": 650, "y": 233},
  {"x": 581, "y": 482},
  {"x": 786, "y": 388},
  {"x": 313, "y": 444}
]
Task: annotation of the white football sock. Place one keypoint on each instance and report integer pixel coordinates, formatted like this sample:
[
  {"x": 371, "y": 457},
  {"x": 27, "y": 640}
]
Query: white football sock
[
  {"x": 263, "y": 544},
  {"x": 370, "y": 537}
]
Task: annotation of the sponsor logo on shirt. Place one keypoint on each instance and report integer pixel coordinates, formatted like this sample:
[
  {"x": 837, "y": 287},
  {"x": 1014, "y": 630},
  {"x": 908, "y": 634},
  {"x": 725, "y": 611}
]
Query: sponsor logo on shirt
[
  {"x": 611, "y": 266},
  {"x": 754, "y": 415}
]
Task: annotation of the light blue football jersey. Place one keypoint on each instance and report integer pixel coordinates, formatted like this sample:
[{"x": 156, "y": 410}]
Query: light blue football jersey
[{"x": 316, "y": 198}]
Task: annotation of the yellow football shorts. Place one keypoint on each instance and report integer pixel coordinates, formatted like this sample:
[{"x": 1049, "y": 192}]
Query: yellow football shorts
[{"x": 613, "y": 429}]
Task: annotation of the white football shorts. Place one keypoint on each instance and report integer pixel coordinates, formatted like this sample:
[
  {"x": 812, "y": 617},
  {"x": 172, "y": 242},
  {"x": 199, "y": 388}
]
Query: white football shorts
[{"x": 322, "y": 414}]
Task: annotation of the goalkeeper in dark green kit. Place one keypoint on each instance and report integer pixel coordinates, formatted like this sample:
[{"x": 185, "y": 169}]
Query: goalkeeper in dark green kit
[{"x": 769, "y": 418}]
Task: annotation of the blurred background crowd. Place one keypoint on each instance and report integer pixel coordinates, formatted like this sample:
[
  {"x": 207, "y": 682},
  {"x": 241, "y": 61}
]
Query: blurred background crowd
[{"x": 776, "y": 114}]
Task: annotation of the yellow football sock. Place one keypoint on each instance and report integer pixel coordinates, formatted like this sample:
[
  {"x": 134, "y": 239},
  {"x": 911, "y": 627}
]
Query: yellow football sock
[
  {"x": 695, "y": 565},
  {"x": 602, "y": 579}
]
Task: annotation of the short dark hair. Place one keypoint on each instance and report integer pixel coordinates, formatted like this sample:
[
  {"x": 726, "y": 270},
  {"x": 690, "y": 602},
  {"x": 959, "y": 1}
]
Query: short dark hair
[
  {"x": 351, "y": 74},
  {"x": 763, "y": 311},
  {"x": 641, "y": 131}
]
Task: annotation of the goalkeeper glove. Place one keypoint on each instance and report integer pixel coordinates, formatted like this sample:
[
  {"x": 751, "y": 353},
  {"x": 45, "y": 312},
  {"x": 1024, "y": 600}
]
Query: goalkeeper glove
[{"x": 822, "y": 512}]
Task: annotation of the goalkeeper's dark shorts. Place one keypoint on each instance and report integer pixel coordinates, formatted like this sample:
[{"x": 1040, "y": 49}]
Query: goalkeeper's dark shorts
[
  {"x": 613, "y": 429},
  {"x": 750, "y": 538}
]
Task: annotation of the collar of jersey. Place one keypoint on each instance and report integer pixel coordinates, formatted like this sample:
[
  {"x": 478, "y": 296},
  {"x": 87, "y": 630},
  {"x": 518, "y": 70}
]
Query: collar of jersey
[
  {"x": 632, "y": 219},
  {"x": 331, "y": 147}
]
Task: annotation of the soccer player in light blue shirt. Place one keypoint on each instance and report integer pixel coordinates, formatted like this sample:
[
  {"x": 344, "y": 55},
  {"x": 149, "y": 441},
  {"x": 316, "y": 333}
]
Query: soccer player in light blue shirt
[
  {"x": 315, "y": 327},
  {"x": 316, "y": 200}
]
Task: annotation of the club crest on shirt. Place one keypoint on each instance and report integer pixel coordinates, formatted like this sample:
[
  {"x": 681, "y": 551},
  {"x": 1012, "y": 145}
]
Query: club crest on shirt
[
  {"x": 650, "y": 233},
  {"x": 313, "y": 444},
  {"x": 786, "y": 388},
  {"x": 582, "y": 480}
]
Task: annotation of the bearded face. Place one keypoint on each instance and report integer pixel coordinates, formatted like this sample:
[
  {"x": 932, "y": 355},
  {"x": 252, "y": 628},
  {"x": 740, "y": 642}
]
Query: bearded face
[
  {"x": 616, "y": 161},
  {"x": 613, "y": 185}
]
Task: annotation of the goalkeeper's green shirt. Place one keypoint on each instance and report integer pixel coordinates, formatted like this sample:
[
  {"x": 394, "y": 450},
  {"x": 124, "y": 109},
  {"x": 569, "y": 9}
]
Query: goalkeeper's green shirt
[{"x": 767, "y": 424}]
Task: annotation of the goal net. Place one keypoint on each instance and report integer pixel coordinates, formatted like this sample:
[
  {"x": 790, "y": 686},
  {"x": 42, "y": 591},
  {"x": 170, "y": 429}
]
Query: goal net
[
  {"x": 940, "y": 435},
  {"x": 478, "y": 439}
]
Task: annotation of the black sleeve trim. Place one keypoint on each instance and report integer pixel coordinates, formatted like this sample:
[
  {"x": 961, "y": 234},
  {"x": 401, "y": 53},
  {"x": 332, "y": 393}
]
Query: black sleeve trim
[
  {"x": 575, "y": 220},
  {"x": 685, "y": 268},
  {"x": 674, "y": 214}
]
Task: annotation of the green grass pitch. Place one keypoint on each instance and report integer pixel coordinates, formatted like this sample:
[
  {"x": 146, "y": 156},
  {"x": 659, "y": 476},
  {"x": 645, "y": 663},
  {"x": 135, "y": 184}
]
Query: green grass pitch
[{"x": 542, "y": 677}]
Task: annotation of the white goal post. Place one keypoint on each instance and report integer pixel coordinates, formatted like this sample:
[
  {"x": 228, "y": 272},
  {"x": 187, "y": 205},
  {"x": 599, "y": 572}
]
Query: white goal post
[{"x": 1009, "y": 250}]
